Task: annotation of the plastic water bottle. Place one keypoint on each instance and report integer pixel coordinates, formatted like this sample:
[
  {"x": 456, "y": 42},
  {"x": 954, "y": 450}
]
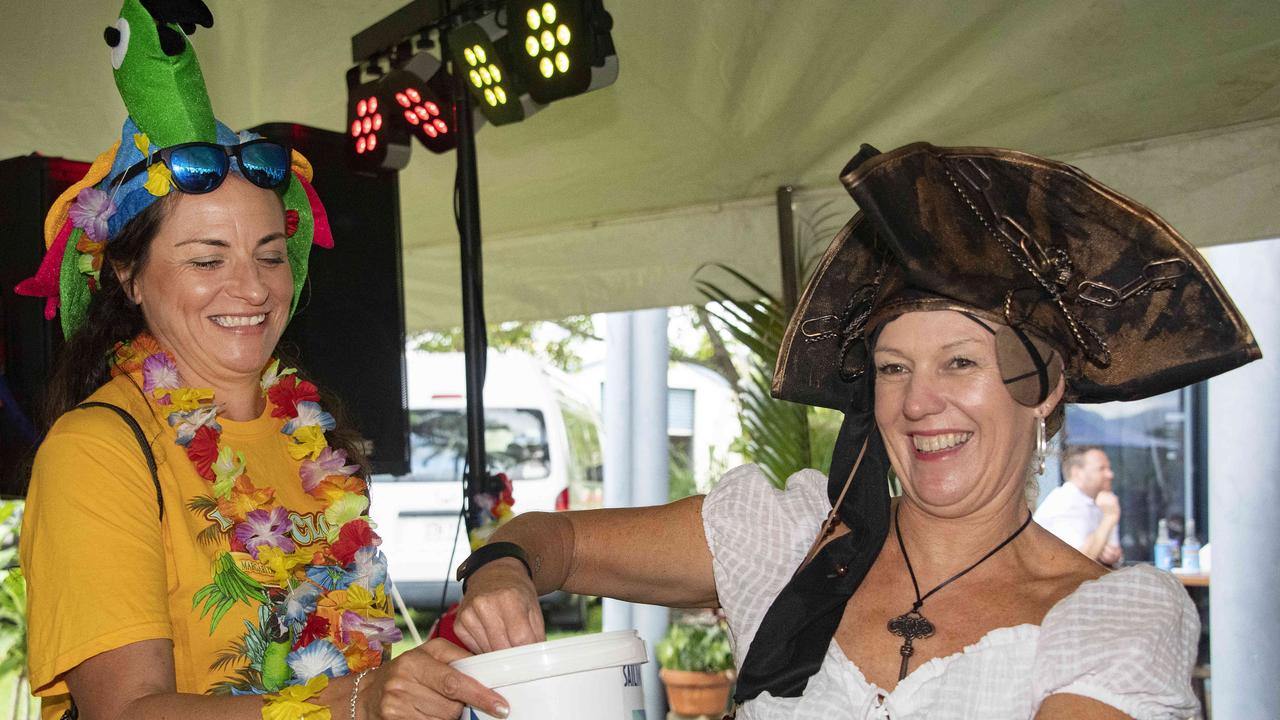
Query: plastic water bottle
[
  {"x": 1164, "y": 547},
  {"x": 1191, "y": 549}
]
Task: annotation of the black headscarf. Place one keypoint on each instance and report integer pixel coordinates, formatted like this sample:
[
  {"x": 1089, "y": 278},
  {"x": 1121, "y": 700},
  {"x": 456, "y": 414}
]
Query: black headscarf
[{"x": 794, "y": 635}]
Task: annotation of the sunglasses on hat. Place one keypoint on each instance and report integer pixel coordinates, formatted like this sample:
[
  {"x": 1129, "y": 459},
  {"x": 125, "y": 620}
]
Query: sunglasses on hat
[{"x": 200, "y": 167}]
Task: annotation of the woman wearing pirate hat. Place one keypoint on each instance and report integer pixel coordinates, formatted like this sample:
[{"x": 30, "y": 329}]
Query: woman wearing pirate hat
[
  {"x": 977, "y": 291},
  {"x": 197, "y": 524}
]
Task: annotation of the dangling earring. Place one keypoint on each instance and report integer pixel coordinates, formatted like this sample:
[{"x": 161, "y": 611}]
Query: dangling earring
[{"x": 1042, "y": 446}]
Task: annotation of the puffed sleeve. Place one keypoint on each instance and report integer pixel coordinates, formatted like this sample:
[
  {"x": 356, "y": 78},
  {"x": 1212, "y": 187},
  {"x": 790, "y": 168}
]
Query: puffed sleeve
[
  {"x": 758, "y": 535},
  {"x": 1128, "y": 640},
  {"x": 92, "y": 547}
]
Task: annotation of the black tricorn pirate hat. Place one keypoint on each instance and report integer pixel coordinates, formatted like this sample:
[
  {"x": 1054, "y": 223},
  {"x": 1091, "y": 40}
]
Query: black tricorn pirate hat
[{"x": 1028, "y": 242}]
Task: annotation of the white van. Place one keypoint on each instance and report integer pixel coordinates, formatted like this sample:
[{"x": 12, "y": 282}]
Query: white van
[{"x": 537, "y": 432}]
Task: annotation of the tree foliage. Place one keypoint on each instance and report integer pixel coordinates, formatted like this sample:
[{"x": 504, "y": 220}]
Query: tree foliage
[
  {"x": 776, "y": 432},
  {"x": 13, "y": 612},
  {"x": 779, "y": 436},
  {"x": 554, "y": 341}
]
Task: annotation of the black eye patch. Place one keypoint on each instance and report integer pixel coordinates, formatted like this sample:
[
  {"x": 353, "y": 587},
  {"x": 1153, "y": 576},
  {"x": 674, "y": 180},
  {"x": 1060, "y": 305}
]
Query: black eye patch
[{"x": 111, "y": 35}]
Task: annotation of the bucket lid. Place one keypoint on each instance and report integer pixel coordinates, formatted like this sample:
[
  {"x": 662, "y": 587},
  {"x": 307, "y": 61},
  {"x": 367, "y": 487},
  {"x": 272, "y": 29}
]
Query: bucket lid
[{"x": 554, "y": 657}]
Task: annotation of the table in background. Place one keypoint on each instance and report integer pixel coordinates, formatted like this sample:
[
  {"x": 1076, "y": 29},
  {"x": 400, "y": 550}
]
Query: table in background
[{"x": 1199, "y": 580}]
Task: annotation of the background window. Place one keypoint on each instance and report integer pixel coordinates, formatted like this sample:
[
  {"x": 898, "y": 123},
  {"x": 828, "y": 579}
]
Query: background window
[
  {"x": 1156, "y": 447},
  {"x": 515, "y": 439}
]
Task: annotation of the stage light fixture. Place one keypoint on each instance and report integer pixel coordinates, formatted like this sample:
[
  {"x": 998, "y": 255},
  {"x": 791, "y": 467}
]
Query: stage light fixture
[
  {"x": 373, "y": 143},
  {"x": 423, "y": 107},
  {"x": 479, "y": 54},
  {"x": 561, "y": 48},
  {"x": 427, "y": 116}
]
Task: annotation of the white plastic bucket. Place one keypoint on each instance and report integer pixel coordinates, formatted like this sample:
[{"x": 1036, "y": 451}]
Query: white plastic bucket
[{"x": 591, "y": 677}]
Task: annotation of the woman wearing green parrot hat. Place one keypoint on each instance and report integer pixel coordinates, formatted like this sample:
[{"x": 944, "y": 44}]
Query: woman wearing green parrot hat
[{"x": 196, "y": 539}]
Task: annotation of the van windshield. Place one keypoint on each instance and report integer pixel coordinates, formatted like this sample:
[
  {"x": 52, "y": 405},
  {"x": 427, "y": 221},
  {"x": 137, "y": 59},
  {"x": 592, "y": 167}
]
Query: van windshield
[{"x": 515, "y": 440}]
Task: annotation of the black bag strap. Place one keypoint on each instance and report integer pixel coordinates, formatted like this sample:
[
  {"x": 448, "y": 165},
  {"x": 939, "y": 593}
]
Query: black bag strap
[{"x": 142, "y": 443}]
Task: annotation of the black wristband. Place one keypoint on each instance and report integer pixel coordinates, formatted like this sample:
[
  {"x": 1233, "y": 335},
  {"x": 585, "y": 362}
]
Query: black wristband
[{"x": 489, "y": 553}]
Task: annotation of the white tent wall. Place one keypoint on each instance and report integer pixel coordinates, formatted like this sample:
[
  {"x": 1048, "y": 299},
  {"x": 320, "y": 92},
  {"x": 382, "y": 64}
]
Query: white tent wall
[
  {"x": 612, "y": 200},
  {"x": 1218, "y": 186},
  {"x": 1215, "y": 186},
  {"x": 607, "y": 266}
]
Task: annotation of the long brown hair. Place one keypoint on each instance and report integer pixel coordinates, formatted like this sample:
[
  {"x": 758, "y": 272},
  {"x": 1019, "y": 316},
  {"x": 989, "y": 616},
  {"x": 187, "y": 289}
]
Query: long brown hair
[{"x": 112, "y": 317}]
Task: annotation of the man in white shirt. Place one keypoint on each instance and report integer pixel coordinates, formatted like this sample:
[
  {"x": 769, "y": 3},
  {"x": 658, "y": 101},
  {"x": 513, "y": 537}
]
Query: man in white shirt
[{"x": 1083, "y": 511}]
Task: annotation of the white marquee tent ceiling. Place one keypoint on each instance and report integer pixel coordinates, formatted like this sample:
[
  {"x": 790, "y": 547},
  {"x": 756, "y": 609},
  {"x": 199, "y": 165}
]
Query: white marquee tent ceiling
[{"x": 612, "y": 200}]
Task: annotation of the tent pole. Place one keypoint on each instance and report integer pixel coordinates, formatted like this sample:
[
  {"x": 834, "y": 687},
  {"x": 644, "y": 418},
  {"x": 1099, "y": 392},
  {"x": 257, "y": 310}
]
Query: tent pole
[
  {"x": 475, "y": 344},
  {"x": 787, "y": 247},
  {"x": 619, "y": 380}
]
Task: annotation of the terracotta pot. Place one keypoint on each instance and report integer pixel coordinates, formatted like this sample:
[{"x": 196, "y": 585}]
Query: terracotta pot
[{"x": 696, "y": 693}]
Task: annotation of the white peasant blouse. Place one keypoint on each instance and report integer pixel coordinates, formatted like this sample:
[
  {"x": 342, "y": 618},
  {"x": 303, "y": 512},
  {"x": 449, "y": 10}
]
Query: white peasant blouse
[{"x": 1127, "y": 639}]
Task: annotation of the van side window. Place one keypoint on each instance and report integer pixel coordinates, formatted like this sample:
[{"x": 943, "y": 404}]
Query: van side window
[{"x": 515, "y": 440}]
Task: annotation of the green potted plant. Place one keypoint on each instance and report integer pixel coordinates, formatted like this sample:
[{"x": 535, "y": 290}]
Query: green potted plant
[{"x": 697, "y": 667}]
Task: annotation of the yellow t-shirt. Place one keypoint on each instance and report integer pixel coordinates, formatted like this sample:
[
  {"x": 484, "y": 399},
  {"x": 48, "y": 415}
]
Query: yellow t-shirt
[{"x": 104, "y": 571}]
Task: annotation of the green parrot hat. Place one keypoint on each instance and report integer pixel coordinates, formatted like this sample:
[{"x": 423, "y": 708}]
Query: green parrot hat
[{"x": 159, "y": 79}]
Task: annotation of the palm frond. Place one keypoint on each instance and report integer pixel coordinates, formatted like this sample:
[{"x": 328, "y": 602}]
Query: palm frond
[
  {"x": 210, "y": 535},
  {"x": 13, "y": 623},
  {"x": 256, "y": 638},
  {"x": 245, "y": 680},
  {"x": 814, "y": 231},
  {"x": 776, "y": 432},
  {"x": 230, "y": 657},
  {"x": 202, "y": 504},
  {"x": 230, "y": 585}
]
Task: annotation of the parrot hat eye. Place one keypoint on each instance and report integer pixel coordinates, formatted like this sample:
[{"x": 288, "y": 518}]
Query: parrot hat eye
[{"x": 117, "y": 37}]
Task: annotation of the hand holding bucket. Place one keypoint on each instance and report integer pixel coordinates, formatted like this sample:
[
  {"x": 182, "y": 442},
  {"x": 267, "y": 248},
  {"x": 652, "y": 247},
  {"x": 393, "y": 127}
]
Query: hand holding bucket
[{"x": 422, "y": 681}]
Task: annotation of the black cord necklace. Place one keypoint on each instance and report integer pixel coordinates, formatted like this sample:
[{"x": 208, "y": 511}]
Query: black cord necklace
[{"x": 911, "y": 625}]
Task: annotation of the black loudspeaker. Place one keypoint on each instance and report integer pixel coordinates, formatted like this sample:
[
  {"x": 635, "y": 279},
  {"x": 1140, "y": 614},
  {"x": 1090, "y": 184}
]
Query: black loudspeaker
[
  {"x": 28, "y": 342},
  {"x": 349, "y": 328}
]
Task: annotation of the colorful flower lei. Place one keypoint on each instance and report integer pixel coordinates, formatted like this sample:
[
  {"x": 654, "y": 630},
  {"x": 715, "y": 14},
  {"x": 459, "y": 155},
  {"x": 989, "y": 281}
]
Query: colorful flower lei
[
  {"x": 291, "y": 702},
  {"x": 323, "y": 609}
]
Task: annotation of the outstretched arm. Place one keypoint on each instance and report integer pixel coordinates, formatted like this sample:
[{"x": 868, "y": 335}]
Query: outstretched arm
[{"x": 654, "y": 555}]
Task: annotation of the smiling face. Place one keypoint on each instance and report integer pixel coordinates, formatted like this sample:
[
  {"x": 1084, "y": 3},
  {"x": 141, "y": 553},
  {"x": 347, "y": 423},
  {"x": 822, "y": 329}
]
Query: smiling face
[
  {"x": 216, "y": 287},
  {"x": 956, "y": 437}
]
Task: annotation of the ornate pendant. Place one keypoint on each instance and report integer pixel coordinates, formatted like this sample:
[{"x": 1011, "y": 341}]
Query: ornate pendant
[{"x": 909, "y": 626}]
